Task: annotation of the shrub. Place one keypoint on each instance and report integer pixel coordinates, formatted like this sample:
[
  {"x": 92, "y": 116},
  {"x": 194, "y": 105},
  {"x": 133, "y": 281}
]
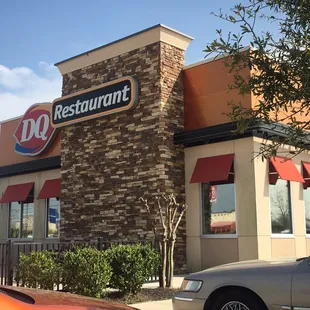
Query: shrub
[
  {"x": 132, "y": 266},
  {"x": 38, "y": 270},
  {"x": 85, "y": 271}
]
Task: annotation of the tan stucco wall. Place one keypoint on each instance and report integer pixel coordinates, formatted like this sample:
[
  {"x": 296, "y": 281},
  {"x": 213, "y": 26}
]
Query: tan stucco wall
[
  {"x": 308, "y": 246},
  {"x": 283, "y": 247},
  {"x": 218, "y": 251},
  {"x": 270, "y": 246},
  {"x": 254, "y": 239},
  {"x": 204, "y": 251},
  {"x": 39, "y": 205}
]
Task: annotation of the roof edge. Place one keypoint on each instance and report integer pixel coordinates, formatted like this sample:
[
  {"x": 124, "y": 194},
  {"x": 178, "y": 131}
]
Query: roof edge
[
  {"x": 224, "y": 132},
  {"x": 11, "y": 119},
  {"x": 210, "y": 59},
  {"x": 122, "y": 39}
]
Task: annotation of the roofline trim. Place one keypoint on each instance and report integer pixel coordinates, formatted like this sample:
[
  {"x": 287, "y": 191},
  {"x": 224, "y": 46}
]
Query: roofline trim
[
  {"x": 122, "y": 39},
  {"x": 11, "y": 119},
  {"x": 210, "y": 59},
  {"x": 225, "y": 132},
  {"x": 20, "y": 116},
  {"x": 42, "y": 164}
]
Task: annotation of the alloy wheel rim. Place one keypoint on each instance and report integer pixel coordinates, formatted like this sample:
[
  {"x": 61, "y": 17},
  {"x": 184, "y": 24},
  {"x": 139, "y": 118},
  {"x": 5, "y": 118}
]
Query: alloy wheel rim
[{"x": 235, "y": 305}]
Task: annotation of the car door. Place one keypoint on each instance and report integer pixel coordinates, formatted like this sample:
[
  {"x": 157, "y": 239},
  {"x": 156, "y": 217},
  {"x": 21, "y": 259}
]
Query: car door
[{"x": 301, "y": 285}]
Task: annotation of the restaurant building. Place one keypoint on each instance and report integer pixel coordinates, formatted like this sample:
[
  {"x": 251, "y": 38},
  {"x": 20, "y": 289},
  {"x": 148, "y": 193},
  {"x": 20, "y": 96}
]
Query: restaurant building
[{"x": 134, "y": 121}]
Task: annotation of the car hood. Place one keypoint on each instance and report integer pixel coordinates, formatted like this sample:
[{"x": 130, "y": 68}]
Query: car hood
[
  {"x": 51, "y": 300},
  {"x": 250, "y": 265}
]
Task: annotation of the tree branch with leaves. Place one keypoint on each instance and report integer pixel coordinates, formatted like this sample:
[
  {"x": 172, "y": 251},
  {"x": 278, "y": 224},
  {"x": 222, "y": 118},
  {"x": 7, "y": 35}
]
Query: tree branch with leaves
[{"x": 278, "y": 64}]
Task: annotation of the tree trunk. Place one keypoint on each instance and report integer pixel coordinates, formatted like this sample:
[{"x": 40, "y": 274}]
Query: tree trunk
[
  {"x": 170, "y": 263},
  {"x": 164, "y": 264},
  {"x": 160, "y": 247}
]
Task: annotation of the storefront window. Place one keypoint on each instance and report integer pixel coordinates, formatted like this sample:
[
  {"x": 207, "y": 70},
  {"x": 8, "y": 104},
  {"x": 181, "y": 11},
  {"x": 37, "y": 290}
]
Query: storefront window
[
  {"x": 307, "y": 209},
  {"x": 21, "y": 220},
  {"x": 280, "y": 205},
  {"x": 53, "y": 217},
  {"x": 218, "y": 209}
]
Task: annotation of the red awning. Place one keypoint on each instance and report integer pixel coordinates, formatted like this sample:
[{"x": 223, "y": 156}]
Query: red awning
[
  {"x": 18, "y": 192},
  {"x": 306, "y": 173},
  {"x": 212, "y": 169},
  {"x": 285, "y": 169},
  {"x": 50, "y": 189},
  {"x": 306, "y": 170}
]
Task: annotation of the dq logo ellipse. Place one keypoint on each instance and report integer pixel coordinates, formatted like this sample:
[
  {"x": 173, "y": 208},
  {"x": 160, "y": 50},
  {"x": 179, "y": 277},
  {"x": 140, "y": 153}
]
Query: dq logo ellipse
[{"x": 34, "y": 131}]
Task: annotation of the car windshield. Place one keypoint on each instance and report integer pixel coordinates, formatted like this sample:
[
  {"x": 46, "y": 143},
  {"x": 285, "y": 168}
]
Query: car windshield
[
  {"x": 301, "y": 258},
  {"x": 17, "y": 295}
]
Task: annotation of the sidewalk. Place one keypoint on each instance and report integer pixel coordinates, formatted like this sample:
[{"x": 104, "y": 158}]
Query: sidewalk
[
  {"x": 154, "y": 305},
  {"x": 162, "y": 304}
]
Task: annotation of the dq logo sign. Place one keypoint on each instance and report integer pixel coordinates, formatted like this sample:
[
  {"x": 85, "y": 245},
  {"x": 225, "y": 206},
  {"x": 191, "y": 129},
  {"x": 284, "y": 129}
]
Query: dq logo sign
[{"x": 34, "y": 131}]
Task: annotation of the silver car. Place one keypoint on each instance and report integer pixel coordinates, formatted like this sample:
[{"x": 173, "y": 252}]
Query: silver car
[{"x": 250, "y": 285}]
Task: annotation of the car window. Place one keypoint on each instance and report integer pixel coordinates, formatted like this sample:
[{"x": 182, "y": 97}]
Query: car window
[{"x": 17, "y": 295}]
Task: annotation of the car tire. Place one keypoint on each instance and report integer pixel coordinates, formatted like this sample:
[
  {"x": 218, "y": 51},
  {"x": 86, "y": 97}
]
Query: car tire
[{"x": 247, "y": 301}]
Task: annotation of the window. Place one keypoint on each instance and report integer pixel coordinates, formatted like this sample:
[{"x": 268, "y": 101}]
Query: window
[
  {"x": 53, "y": 217},
  {"x": 306, "y": 176},
  {"x": 280, "y": 205},
  {"x": 307, "y": 209},
  {"x": 21, "y": 220},
  {"x": 218, "y": 209}
]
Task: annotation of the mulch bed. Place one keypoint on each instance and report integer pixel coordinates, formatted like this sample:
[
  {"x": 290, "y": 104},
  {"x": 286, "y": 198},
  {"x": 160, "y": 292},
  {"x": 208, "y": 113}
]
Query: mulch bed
[{"x": 146, "y": 294}]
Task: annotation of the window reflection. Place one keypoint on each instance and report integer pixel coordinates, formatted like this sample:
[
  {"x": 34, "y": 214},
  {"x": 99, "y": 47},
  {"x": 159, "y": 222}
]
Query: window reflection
[
  {"x": 218, "y": 209},
  {"x": 14, "y": 220},
  {"x": 21, "y": 220},
  {"x": 27, "y": 220},
  {"x": 280, "y": 205},
  {"x": 53, "y": 217}
]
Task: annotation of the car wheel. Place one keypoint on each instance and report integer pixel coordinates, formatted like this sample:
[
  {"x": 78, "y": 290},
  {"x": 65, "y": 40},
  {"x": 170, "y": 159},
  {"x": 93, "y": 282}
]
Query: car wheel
[{"x": 237, "y": 300}]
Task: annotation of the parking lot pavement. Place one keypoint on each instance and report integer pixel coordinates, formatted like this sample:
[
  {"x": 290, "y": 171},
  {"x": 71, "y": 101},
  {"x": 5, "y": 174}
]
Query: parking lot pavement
[{"x": 154, "y": 305}]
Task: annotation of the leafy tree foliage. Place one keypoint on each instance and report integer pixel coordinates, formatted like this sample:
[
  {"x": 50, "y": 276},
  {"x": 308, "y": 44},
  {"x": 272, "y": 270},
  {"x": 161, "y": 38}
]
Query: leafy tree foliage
[{"x": 279, "y": 66}]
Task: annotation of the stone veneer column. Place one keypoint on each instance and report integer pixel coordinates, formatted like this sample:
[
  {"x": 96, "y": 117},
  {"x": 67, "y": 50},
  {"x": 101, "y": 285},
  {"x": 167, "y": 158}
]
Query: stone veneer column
[{"x": 109, "y": 162}]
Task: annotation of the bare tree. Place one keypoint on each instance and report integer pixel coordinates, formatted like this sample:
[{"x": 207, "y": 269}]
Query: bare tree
[{"x": 165, "y": 222}]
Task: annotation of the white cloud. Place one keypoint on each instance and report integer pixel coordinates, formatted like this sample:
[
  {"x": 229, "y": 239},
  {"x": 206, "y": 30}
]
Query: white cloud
[{"x": 22, "y": 87}]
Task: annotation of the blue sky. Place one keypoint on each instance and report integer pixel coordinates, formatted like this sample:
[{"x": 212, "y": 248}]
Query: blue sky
[{"x": 35, "y": 34}]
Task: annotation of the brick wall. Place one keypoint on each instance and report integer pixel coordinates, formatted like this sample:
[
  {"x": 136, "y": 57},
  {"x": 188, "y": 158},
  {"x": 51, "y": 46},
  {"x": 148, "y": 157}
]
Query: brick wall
[{"x": 109, "y": 162}]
